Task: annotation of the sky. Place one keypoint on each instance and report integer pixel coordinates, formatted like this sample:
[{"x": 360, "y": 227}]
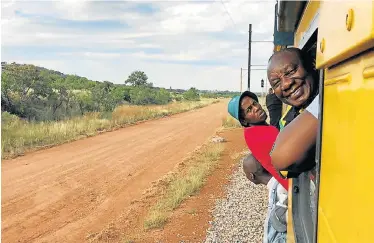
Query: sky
[{"x": 178, "y": 44}]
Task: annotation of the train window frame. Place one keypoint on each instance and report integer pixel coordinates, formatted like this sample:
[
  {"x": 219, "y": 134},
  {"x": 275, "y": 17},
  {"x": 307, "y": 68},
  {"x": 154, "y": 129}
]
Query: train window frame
[
  {"x": 308, "y": 34},
  {"x": 305, "y": 219},
  {"x": 301, "y": 213},
  {"x": 319, "y": 150}
]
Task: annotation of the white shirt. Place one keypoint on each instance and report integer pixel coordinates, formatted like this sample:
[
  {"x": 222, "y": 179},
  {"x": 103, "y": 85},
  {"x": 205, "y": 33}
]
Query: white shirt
[
  {"x": 313, "y": 107},
  {"x": 281, "y": 198},
  {"x": 281, "y": 192},
  {"x": 270, "y": 184}
]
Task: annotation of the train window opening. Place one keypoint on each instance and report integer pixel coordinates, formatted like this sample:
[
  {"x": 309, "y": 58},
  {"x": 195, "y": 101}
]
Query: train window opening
[
  {"x": 311, "y": 46},
  {"x": 306, "y": 199}
]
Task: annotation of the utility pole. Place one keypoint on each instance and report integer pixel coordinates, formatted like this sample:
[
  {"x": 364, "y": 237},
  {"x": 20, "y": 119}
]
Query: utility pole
[
  {"x": 249, "y": 54},
  {"x": 250, "y": 41}
]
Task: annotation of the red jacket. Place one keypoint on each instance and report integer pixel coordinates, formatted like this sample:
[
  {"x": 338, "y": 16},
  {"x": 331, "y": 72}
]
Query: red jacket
[{"x": 260, "y": 141}]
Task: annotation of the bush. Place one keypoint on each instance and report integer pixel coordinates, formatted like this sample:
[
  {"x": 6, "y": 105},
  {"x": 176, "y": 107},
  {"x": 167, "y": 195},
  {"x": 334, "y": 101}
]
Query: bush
[
  {"x": 162, "y": 97},
  {"x": 144, "y": 95},
  {"x": 9, "y": 119},
  {"x": 191, "y": 95}
]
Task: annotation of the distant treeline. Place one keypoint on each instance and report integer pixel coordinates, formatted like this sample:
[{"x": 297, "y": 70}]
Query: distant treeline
[{"x": 36, "y": 93}]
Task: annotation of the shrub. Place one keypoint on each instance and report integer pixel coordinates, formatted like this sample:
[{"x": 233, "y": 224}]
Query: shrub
[{"x": 191, "y": 94}]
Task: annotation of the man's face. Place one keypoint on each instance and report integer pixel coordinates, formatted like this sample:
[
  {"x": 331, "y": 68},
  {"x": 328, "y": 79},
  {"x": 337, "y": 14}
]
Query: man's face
[
  {"x": 289, "y": 79},
  {"x": 252, "y": 111}
]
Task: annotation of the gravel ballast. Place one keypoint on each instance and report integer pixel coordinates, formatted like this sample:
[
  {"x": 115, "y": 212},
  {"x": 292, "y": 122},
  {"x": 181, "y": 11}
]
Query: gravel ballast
[{"x": 240, "y": 216}]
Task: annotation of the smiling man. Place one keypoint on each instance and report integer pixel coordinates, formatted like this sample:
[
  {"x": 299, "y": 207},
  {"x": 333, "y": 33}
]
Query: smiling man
[{"x": 292, "y": 75}]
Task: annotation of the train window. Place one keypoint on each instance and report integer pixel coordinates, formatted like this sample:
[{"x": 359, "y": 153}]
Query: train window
[
  {"x": 302, "y": 209},
  {"x": 316, "y": 177},
  {"x": 313, "y": 195},
  {"x": 305, "y": 187}
]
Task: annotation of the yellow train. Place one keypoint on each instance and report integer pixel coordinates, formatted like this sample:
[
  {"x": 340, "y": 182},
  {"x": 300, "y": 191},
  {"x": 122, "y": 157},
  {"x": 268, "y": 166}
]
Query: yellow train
[{"x": 340, "y": 35}]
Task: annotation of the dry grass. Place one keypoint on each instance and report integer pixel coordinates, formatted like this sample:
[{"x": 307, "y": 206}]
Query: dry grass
[
  {"x": 239, "y": 155},
  {"x": 230, "y": 122},
  {"x": 20, "y": 136},
  {"x": 185, "y": 185},
  {"x": 156, "y": 219}
]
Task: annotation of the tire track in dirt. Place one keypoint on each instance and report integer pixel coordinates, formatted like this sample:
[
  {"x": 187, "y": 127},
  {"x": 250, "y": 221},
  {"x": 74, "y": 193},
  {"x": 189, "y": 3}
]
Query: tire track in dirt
[{"x": 63, "y": 193}]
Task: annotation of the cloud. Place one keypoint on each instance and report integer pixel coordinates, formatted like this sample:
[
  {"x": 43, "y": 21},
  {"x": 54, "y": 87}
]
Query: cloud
[{"x": 177, "y": 43}]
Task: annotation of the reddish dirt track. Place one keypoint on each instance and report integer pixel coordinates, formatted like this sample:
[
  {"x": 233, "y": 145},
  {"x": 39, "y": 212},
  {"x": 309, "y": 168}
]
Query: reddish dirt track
[
  {"x": 63, "y": 193},
  {"x": 190, "y": 221}
]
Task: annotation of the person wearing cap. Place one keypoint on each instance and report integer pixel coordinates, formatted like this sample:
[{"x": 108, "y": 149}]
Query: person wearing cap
[
  {"x": 246, "y": 109},
  {"x": 258, "y": 135},
  {"x": 260, "y": 138},
  {"x": 275, "y": 227}
]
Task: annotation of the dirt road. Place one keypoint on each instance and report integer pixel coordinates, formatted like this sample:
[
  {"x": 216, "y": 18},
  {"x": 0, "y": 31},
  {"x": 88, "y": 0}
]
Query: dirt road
[{"x": 63, "y": 193}]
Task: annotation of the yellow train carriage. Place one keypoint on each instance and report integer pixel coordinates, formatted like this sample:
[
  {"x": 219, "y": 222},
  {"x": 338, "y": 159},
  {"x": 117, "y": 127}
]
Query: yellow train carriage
[{"x": 340, "y": 35}]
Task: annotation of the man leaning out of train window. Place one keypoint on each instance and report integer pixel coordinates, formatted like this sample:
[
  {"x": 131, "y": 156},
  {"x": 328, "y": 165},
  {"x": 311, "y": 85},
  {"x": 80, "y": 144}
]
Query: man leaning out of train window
[
  {"x": 296, "y": 139},
  {"x": 292, "y": 75}
]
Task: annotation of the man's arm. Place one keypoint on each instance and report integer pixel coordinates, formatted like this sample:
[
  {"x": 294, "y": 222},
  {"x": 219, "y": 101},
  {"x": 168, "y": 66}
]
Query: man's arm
[{"x": 294, "y": 141}]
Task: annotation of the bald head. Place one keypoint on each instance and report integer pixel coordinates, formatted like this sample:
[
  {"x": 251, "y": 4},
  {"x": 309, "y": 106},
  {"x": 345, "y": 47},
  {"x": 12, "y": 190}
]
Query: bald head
[
  {"x": 254, "y": 170},
  {"x": 303, "y": 56}
]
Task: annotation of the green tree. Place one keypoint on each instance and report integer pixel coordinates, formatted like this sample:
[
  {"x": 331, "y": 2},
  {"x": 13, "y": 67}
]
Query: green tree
[
  {"x": 142, "y": 95},
  {"x": 24, "y": 91},
  {"x": 162, "y": 97},
  {"x": 191, "y": 94},
  {"x": 60, "y": 98},
  {"x": 37, "y": 93},
  {"x": 85, "y": 102},
  {"x": 122, "y": 92},
  {"x": 118, "y": 94},
  {"x": 106, "y": 96},
  {"x": 137, "y": 78}
]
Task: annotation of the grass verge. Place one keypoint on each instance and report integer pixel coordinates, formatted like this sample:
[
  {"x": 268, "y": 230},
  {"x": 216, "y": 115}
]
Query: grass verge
[
  {"x": 230, "y": 122},
  {"x": 20, "y": 136},
  {"x": 184, "y": 185}
]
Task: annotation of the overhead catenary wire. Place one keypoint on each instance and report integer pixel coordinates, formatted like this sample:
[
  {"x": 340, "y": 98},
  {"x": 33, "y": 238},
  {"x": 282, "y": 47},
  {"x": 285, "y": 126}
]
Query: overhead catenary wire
[
  {"x": 234, "y": 23},
  {"x": 228, "y": 13},
  {"x": 257, "y": 67}
]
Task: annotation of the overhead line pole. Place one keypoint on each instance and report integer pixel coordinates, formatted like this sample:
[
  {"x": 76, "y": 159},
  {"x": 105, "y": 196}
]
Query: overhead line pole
[{"x": 249, "y": 53}]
